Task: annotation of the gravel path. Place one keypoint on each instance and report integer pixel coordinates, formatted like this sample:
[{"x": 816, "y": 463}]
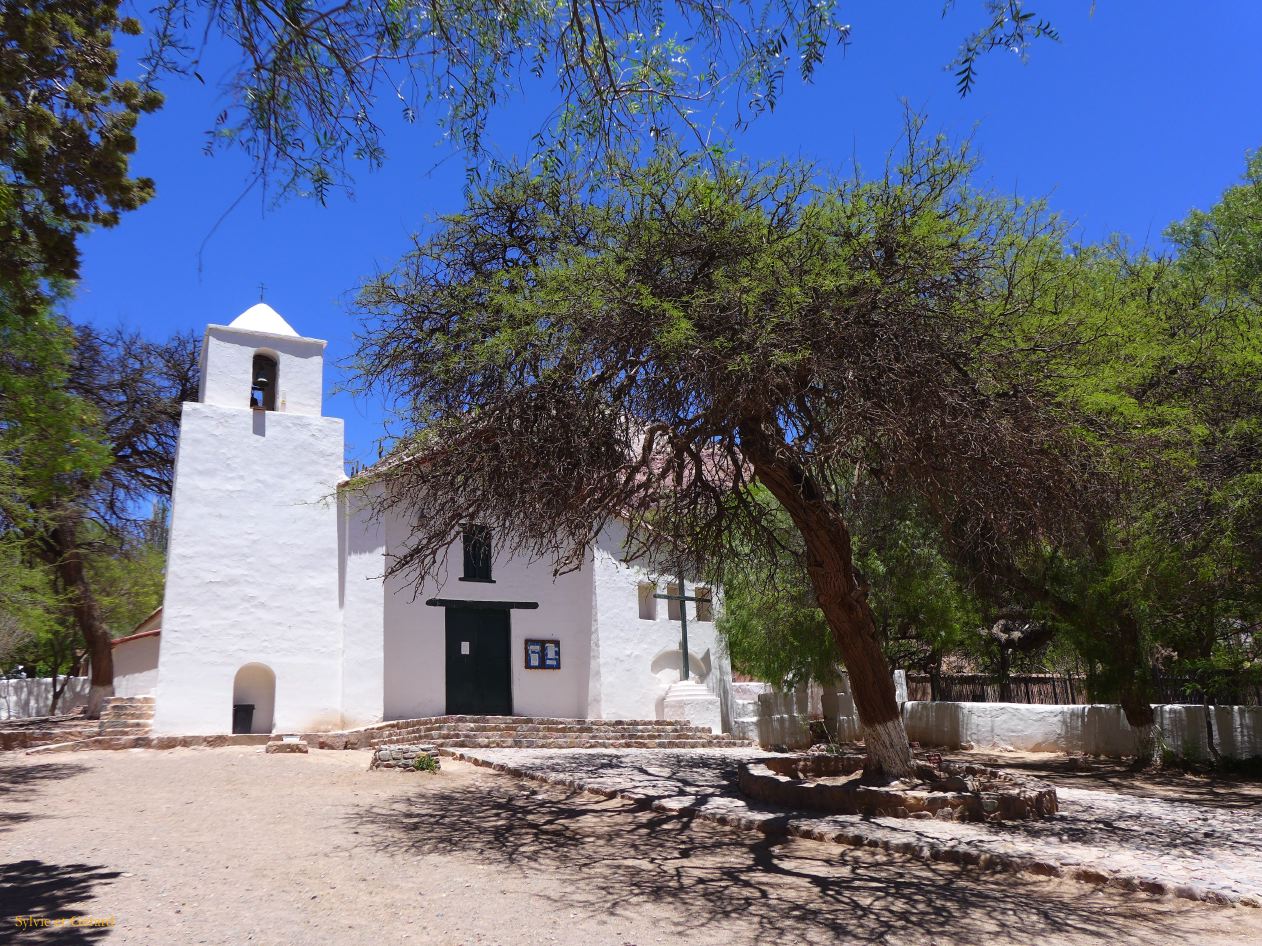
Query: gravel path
[
  {"x": 231, "y": 846},
  {"x": 1194, "y": 851}
]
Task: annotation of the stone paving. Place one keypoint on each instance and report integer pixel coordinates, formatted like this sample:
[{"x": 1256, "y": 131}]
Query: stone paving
[{"x": 1158, "y": 846}]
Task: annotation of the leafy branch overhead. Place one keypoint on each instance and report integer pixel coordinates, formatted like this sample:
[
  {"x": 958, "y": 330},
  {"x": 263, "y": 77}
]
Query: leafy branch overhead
[{"x": 312, "y": 90}]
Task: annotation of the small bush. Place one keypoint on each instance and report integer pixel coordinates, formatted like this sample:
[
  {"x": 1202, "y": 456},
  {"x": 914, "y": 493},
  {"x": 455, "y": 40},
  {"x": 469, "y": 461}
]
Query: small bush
[{"x": 425, "y": 763}]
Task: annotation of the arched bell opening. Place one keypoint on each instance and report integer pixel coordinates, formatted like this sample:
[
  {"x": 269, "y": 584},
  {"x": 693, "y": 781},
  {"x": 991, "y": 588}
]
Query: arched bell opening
[{"x": 264, "y": 377}]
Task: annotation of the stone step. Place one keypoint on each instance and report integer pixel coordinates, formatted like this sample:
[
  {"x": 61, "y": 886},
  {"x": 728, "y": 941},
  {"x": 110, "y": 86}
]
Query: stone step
[
  {"x": 530, "y": 728},
  {"x": 518, "y": 720},
  {"x": 128, "y": 712},
  {"x": 115, "y": 727},
  {"x": 716, "y": 743},
  {"x": 610, "y": 724},
  {"x": 29, "y": 738},
  {"x": 554, "y": 738},
  {"x": 129, "y": 700},
  {"x": 525, "y": 742}
]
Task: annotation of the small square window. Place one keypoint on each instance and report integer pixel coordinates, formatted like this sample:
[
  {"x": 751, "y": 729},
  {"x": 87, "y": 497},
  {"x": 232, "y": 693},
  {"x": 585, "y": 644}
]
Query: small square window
[
  {"x": 672, "y": 604},
  {"x": 477, "y": 553},
  {"x": 648, "y": 603},
  {"x": 705, "y": 604}
]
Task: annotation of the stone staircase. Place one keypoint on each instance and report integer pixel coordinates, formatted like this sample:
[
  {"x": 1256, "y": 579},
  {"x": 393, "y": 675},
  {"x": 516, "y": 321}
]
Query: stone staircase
[
  {"x": 45, "y": 731},
  {"x": 529, "y": 732},
  {"x": 126, "y": 716}
]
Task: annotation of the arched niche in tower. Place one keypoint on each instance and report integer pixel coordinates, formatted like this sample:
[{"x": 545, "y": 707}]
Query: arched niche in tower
[
  {"x": 264, "y": 380},
  {"x": 253, "y": 699}
]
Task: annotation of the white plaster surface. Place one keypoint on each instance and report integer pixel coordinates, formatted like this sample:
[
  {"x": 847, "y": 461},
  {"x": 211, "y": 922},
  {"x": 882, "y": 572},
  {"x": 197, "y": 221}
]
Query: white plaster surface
[
  {"x": 272, "y": 562},
  {"x": 414, "y": 647},
  {"x": 261, "y": 317},
  {"x": 637, "y": 660},
  {"x": 136, "y": 666},
  {"x": 228, "y": 361},
  {"x": 1096, "y": 729},
  {"x": 252, "y": 569},
  {"x": 361, "y": 594},
  {"x": 27, "y": 697},
  {"x": 694, "y": 703}
]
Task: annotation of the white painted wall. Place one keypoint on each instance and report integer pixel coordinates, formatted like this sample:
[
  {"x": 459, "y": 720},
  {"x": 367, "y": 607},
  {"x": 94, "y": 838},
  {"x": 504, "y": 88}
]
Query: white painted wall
[
  {"x": 228, "y": 359},
  {"x": 252, "y": 569},
  {"x": 136, "y": 666},
  {"x": 269, "y": 563},
  {"x": 25, "y": 698},
  {"x": 774, "y": 717},
  {"x": 362, "y": 597},
  {"x": 414, "y": 647},
  {"x": 1097, "y": 729},
  {"x": 636, "y": 660}
]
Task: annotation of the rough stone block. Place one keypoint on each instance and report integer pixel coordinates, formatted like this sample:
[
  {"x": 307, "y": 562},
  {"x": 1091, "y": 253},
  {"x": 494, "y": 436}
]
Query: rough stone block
[{"x": 298, "y": 746}]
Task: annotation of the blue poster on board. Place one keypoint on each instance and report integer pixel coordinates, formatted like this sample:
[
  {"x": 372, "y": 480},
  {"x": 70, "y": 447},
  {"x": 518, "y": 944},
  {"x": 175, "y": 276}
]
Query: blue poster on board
[{"x": 534, "y": 655}]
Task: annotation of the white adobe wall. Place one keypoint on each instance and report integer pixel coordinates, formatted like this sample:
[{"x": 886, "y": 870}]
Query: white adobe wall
[
  {"x": 228, "y": 359},
  {"x": 362, "y": 597},
  {"x": 27, "y": 697},
  {"x": 636, "y": 660},
  {"x": 1096, "y": 729},
  {"x": 136, "y": 666},
  {"x": 252, "y": 569},
  {"x": 414, "y": 646},
  {"x": 1238, "y": 730}
]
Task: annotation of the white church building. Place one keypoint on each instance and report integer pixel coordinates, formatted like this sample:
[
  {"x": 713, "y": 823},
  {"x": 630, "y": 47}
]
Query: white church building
[{"x": 278, "y": 615}]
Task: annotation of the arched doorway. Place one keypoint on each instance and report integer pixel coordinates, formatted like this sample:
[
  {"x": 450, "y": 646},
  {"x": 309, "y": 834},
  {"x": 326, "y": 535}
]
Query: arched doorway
[{"x": 253, "y": 699}]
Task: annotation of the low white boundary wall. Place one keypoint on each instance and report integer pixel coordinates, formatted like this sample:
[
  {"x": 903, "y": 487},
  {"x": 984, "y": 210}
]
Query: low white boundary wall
[
  {"x": 22, "y": 699},
  {"x": 1096, "y": 729},
  {"x": 776, "y": 718}
]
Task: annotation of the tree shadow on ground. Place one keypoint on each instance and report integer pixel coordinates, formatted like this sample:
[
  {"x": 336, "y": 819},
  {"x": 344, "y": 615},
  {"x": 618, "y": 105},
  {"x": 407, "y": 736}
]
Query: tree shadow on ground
[
  {"x": 41, "y": 891},
  {"x": 20, "y": 783},
  {"x": 610, "y": 857},
  {"x": 1116, "y": 775}
]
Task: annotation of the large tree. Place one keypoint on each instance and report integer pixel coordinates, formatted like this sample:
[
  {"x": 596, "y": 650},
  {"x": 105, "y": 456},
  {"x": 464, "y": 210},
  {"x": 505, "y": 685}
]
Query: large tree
[
  {"x": 87, "y": 448},
  {"x": 664, "y": 351},
  {"x": 67, "y": 126}
]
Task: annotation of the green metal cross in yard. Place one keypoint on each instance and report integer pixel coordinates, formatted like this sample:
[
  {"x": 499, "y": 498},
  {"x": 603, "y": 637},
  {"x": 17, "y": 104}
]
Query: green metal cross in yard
[{"x": 683, "y": 598}]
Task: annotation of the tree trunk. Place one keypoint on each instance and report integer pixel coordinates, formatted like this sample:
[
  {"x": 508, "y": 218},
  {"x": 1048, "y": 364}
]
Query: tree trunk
[
  {"x": 1135, "y": 692},
  {"x": 842, "y": 600},
  {"x": 68, "y": 561}
]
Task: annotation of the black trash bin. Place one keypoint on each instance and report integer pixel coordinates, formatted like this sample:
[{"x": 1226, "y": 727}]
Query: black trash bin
[{"x": 242, "y": 717}]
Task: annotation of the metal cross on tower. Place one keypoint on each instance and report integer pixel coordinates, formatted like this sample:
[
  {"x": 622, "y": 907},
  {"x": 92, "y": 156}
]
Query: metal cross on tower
[{"x": 683, "y": 598}]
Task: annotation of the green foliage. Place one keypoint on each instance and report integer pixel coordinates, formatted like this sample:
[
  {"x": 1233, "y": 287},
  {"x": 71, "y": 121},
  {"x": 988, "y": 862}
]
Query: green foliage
[
  {"x": 49, "y": 437},
  {"x": 127, "y": 577},
  {"x": 425, "y": 763},
  {"x": 922, "y": 609},
  {"x": 316, "y": 82},
  {"x": 1168, "y": 577},
  {"x": 66, "y": 137},
  {"x": 775, "y": 631},
  {"x": 1172, "y": 575}
]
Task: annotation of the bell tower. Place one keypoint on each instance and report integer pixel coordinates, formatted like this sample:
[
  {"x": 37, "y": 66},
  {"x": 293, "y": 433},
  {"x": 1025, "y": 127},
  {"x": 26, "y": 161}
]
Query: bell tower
[{"x": 251, "y": 628}]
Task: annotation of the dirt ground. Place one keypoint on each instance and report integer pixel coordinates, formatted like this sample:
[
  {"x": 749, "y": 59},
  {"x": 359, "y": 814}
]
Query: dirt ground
[{"x": 233, "y": 846}]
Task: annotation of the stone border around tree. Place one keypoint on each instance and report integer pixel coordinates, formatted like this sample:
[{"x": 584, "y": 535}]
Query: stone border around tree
[
  {"x": 922, "y": 849},
  {"x": 962, "y": 793},
  {"x": 402, "y": 758}
]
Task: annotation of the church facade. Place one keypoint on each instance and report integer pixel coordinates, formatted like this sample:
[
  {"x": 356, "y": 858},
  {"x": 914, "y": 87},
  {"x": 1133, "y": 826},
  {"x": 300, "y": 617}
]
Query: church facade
[{"x": 279, "y": 615}]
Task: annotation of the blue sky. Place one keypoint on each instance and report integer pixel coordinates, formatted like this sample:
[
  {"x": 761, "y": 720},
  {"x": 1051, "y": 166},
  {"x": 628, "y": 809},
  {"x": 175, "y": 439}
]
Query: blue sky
[{"x": 1142, "y": 112}]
